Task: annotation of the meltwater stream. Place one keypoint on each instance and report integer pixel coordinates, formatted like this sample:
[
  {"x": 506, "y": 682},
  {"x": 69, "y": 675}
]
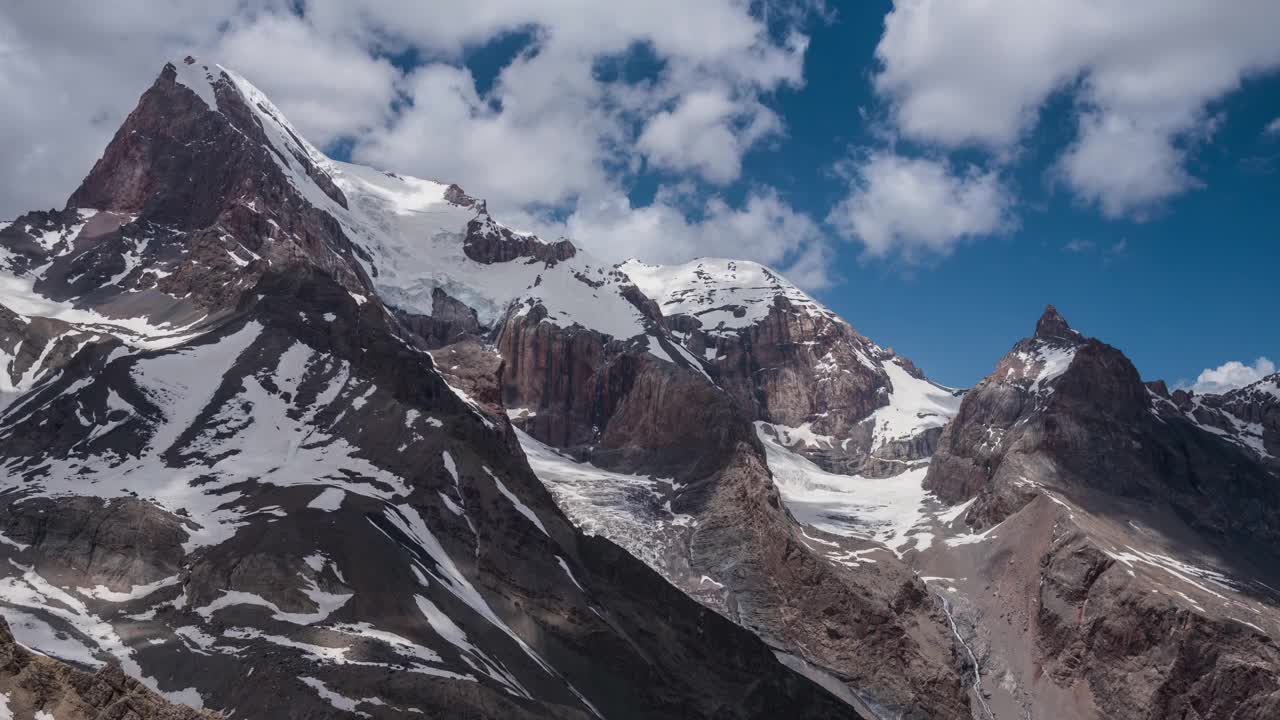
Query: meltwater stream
[{"x": 973, "y": 659}]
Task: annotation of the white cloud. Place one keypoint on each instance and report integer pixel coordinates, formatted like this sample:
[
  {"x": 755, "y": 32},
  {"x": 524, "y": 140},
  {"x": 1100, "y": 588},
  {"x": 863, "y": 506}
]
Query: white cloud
[
  {"x": 69, "y": 74},
  {"x": 918, "y": 206},
  {"x": 764, "y": 229},
  {"x": 707, "y": 132},
  {"x": 1273, "y": 127},
  {"x": 970, "y": 72},
  {"x": 533, "y": 151},
  {"x": 1121, "y": 167},
  {"x": 709, "y": 33},
  {"x": 332, "y": 87},
  {"x": 550, "y": 135},
  {"x": 1231, "y": 375},
  {"x": 549, "y": 129}
]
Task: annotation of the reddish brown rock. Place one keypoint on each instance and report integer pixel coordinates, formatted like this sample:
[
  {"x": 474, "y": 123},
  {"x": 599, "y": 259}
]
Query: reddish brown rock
[
  {"x": 488, "y": 242},
  {"x": 34, "y": 683},
  {"x": 1126, "y": 567},
  {"x": 620, "y": 407}
]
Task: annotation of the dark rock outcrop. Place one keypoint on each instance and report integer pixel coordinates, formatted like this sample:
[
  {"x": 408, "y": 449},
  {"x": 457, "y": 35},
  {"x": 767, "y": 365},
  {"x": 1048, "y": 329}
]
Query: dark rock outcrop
[
  {"x": 33, "y": 683},
  {"x": 488, "y": 242},
  {"x": 211, "y": 214},
  {"x": 1052, "y": 326},
  {"x": 1096, "y": 622},
  {"x": 450, "y": 321},
  {"x": 1071, "y": 413}
]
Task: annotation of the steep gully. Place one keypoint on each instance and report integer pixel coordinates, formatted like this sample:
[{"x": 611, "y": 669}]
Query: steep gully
[{"x": 973, "y": 659}]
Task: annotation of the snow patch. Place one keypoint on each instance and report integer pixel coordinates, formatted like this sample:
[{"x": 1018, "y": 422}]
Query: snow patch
[
  {"x": 523, "y": 509},
  {"x": 565, "y": 566},
  {"x": 329, "y": 500},
  {"x": 888, "y": 511},
  {"x": 915, "y": 405},
  {"x": 340, "y": 702},
  {"x": 725, "y": 295},
  {"x": 198, "y": 78},
  {"x": 102, "y": 592},
  {"x": 633, "y": 511}
]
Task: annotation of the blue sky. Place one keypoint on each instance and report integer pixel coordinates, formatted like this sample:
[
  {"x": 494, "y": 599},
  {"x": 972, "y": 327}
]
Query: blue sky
[
  {"x": 934, "y": 170},
  {"x": 1194, "y": 284}
]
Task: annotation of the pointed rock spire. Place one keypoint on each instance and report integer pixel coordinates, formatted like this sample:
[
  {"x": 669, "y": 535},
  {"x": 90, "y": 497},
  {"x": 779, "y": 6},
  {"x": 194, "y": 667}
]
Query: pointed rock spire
[{"x": 1053, "y": 325}]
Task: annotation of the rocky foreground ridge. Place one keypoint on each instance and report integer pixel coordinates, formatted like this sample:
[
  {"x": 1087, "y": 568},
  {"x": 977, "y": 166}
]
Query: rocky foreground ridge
[{"x": 34, "y": 685}]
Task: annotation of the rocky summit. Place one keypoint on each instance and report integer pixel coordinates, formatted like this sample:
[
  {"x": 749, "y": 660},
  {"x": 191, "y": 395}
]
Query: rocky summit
[{"x": 288, "y": 437}]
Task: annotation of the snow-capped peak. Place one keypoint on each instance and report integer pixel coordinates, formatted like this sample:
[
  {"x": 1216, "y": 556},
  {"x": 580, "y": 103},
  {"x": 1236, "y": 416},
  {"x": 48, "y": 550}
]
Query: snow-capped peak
[
  {"x": 1266, "y": 389},
  {"x": 414, "y": 232},
  {"x": 198, "y": 77},
  {"x": 416, "y": 235},
  {"x": 721, "y": 293}
]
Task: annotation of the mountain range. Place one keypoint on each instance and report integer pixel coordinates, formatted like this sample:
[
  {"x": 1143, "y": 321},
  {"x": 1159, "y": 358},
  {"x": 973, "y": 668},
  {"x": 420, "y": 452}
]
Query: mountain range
[{"x": 288, "y": 437}]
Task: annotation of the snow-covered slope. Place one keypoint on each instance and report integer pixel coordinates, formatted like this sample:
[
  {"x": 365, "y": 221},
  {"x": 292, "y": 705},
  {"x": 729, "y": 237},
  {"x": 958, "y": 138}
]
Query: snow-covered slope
[
  {"x": 413, "y": 232},
  {"x": 415, "y": 237},
  {"x": 915, "y": 405},
  {"x": 725, "y": 295},
  {"x": 825, "y": 390},
  {"x": 630, "y": 509}
]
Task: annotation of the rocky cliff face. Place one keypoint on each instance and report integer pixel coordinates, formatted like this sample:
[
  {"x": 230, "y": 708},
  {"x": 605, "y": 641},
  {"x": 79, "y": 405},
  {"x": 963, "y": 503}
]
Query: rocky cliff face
[
  {"x": 33, "y": 685},
  {"x": 824, "y": 390},
  {"x": 655, "y": 444},
  {"x": 1120, "y": 558},
  {"x": 232, "y": 451},
  {"x": 1073, "y": 413},
  {"x": 1248, "y": 416}
]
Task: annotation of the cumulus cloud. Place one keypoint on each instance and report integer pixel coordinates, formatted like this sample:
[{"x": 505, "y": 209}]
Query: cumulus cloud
[
  {"x": 707, "y": 132},
  {"x": 533, "y": 152},
  {"x": 332, "y": 86},
  {"x": 551, "y": 128},
  {"x": 1122, "y": 167},
  {"x": 919, "y": 206},
  {"x": 968, "y": 73},
  {"x": 69, "y": 74},
  {"x": 677, "y": 226},
  {"x": 1231, "y": 375}
]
